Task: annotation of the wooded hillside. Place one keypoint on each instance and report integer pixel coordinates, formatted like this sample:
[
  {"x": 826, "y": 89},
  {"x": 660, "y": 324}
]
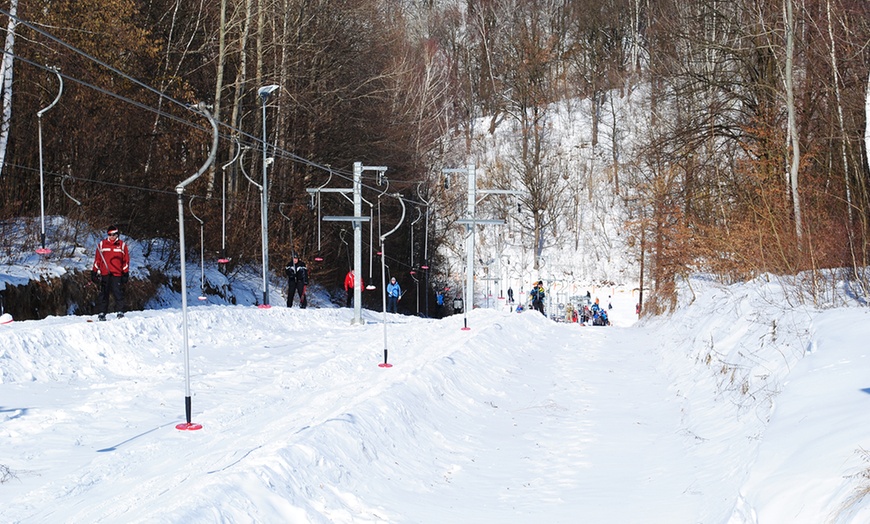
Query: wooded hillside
[{"x": 753, "y": 157}]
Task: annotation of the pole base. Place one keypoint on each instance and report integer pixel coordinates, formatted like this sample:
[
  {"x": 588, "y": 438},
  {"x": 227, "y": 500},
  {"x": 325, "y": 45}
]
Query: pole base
[
  {"x": 466, "y": 328},
  {"x": 188, "y": 426},
  {"x": 384, "y": 364},
  {"x": 264, "y": 306},
  {"x": 43, "y": 251}
]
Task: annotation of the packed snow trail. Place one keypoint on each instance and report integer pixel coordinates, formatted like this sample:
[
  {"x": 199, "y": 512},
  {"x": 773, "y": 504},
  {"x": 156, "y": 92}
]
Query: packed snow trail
[
  {"x": 550, "y": 454},
  {"x": 519, "y": 419}
]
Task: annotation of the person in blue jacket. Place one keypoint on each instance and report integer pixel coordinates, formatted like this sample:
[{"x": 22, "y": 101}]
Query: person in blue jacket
[{"x": 394, "y": 294}]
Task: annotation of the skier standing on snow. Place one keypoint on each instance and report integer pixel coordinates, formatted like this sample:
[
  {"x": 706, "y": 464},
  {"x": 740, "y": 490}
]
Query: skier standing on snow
[
  {"x": 537, "y": 295},
  {"x": 297, "y": 280},
  {"x": 111, "y": 271},
  {"x": 349, "y": 280},
  {"x": 394, "y": 293}
]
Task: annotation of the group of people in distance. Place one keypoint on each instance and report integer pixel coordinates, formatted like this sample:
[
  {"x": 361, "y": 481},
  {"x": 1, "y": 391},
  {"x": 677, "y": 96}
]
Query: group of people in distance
[
  {"x": 297, "y": 283},
  {"x": 584, "y": 314},
  {"x": 111, "y": 272},
  {"x": 536, "y": 298}
]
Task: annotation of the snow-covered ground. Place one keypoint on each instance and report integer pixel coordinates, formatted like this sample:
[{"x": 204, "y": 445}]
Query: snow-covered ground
[{"x": 735, "y": 409}]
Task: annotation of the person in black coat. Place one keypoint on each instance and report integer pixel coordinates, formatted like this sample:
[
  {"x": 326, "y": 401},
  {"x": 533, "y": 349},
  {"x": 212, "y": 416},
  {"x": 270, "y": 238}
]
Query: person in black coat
[{"x": 297, "y": 281}]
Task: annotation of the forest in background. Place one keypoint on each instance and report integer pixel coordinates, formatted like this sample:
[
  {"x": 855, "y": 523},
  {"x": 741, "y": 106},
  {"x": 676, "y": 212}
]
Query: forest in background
[{"x": 753, "y": 156}]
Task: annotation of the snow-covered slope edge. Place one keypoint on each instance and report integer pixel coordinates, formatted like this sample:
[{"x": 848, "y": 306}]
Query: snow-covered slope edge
[{"x": 764, "y": 369}]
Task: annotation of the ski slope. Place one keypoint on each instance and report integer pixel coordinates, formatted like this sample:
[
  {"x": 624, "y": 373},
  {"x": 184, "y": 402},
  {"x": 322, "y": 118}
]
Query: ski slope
[{"x": 519, "y": 419}]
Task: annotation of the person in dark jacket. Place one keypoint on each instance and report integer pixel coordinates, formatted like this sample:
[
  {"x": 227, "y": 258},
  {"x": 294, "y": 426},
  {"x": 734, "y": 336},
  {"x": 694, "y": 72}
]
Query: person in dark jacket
[
  {"x": 537, "y": 296},
  {"x": 297, "y": 281},
  {"x": 111, "y": 271}
]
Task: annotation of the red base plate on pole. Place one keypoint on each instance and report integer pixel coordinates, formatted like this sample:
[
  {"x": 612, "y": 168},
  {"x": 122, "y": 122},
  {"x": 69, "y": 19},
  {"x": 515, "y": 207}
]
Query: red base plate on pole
[
  {"x": 43, "y": 251},
  {"x": 264, "y": 306},
  {"x": 466, "y": 329},
  {"x": 188, "y": 426},
  {"x": 384, "y": 365}
]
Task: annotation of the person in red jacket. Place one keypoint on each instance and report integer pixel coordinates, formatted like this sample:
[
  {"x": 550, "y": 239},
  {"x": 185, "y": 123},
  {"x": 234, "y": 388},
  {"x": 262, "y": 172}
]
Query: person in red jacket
[
  {"x": 348, "y": 286},
  {"x": 111, "y": 271}
]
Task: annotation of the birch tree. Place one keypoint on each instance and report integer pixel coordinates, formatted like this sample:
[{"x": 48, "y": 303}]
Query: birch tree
[
  {"x": 867, "y": 122},
  {"x": 794, "y": 138},
  {"x": 6, "y": 71}
]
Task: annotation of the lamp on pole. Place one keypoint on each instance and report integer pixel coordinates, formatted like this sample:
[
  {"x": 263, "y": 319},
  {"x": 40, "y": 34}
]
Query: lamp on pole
[
  {"x": 264, "y": 93},
  {"x": 202, "y": 109}
]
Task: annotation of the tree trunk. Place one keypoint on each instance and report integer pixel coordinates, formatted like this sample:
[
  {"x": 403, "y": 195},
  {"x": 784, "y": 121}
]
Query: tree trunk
[
  {"x": 867, "y": 122},
  {"x": 216, "y": 112},
  {"x": 840, "y": 119},
  {"x": 794, "y": 138},
  {"x": 241, "y": 81},
  {"x": 6, "y": 77}
]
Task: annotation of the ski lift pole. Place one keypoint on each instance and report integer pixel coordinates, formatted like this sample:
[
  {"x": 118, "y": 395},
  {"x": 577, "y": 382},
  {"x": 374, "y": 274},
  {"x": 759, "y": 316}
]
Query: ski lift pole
[
  {"x": 65, "y": 192},
  {"x": 371, "y": 240},
  {"x": 357, "y": 243},
  {"x": 201, "y": 250},
  {"x": 425, "y": 265},
  {"x": 43, "y": 250},
  {"x": 264, "y": 93},
  {"x": 470, "y": 222},
  {"x": 381, "y": 179},
  {"x": 417, "y": 289},
  {"x": 319, "y": 224},
  {"x": 425, "y": 230},
  {"x": 411, "y": 254},
  {"x": 384, "y": 276},
  {"x": 223, "y": 258},
  {"x": 289, "y": 222},
  {"x": 202, "y": 109},
  {"x": 263, "y": 231}
]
